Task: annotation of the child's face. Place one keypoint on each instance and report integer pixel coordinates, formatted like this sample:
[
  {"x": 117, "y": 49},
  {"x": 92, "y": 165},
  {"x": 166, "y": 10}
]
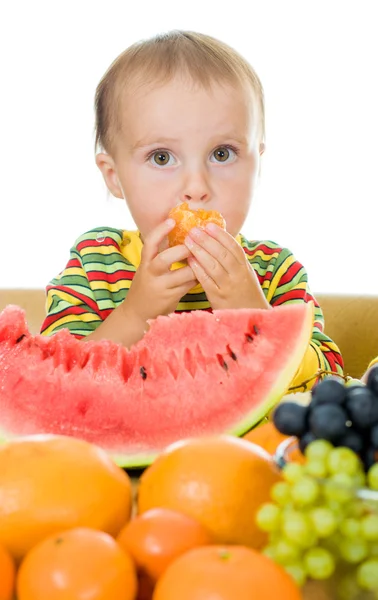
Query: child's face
[{"x": 182, "y": 143}]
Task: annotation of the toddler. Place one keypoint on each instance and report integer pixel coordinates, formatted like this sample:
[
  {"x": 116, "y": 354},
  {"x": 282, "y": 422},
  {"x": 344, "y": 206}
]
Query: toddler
[{"x": 179, "y": 118}]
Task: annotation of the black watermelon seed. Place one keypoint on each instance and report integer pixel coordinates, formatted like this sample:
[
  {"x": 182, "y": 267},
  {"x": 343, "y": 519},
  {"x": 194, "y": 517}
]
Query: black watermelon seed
[
  {"x": 143, "y": 373},
  {"x": 256, "y": 330},
  {"x": 20, "y": 338},
  {"x": 222, "y": 362},
  {"x": 249, "y": 337},
  {"x": 232, "y": 353}
]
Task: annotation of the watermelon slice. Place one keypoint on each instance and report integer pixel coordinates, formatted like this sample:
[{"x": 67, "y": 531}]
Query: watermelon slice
[{"x": 192, "y": 374}]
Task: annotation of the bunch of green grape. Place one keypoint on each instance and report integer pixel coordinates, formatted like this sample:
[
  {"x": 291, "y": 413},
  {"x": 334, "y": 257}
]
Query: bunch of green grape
[{"x": 321, "y": 517}]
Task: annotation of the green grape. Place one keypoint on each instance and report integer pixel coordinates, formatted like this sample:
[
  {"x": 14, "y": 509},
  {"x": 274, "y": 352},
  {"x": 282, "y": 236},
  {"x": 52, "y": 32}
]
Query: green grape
[
  {"x": 268, "y": 517},
  {"x": 318, "y": 450},
  {"x": 373, "y": 550},
  {"x": 359, "y": 480},
  {"x": 367, "y": 574},
  {"x": 286, "y": 552},
  {"x": 350, "y": 528},
  {"x": 343, "y": 460},
  {"x": 305, "y": 491},
  {"x": 319, "y": 563},
  {"x": 355, "y": 509},
  {"x": 353, "y": 550},
  {"x": 372, "y": 477},
  {"x": 297, "y": 528},
  {"x": 297, "y": 572},
  {"x": 281, "y": 493},
  {"x": 323, "y": 520},
  {"x": 292, "y": 472},
  {"x": 369, "y": 528},
  {"x": 339, "y": 488},
  {"x": 337, "y": 508},
  {"x": 316, "y": 468}
]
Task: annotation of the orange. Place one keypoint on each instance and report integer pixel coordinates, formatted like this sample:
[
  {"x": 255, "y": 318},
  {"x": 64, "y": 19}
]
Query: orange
[
  {"x": 187, "y": 218},
  {"x": 220, "y": 481},
  {"x": 266, "y": 436},
  {"x": 7, "y": 574},
  {"x": 269, "y": 438},
  {"x": 81, "y": 564},
  {"x": 155, "y": 538},
  {"x": 225, "y": 573},
  {"x": 50, "y": 483}
]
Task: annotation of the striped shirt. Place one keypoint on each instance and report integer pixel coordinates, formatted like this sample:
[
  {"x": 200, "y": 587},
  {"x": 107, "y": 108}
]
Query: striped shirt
[{"x": 102, "y": 265}]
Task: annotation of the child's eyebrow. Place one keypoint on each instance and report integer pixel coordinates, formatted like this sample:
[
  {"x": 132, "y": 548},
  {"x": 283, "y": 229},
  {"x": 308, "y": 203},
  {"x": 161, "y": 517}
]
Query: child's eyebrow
[{"x": 152, "y": 140}]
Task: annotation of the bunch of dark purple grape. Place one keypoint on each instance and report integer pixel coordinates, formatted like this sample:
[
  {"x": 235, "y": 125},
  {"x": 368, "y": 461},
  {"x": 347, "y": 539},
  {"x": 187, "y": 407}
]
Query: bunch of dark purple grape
[{"x": 343, "y": 414}]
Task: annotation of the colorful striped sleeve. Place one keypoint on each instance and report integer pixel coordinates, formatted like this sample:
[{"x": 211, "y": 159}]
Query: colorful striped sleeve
[
  {"x": 93, "y": 283},
  {"x": 284, "y": 281}
]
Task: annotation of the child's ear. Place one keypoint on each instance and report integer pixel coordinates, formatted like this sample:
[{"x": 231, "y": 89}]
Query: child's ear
[{"x": 107, "y": 167}]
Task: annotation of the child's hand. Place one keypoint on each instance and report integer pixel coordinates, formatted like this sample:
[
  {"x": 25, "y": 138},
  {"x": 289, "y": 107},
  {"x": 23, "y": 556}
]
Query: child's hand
[
  {"x": 221, "y": 267},
  {"x": 156, "y": 290}
]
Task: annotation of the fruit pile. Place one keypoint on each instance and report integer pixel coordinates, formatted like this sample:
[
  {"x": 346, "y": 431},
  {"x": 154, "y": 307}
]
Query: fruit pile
[
  {"x": 345, "y": 415},
  {"x": 67, "y": 528}
]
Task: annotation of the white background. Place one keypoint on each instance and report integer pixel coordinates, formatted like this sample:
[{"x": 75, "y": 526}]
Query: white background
[{"x": 318, "y": 62}]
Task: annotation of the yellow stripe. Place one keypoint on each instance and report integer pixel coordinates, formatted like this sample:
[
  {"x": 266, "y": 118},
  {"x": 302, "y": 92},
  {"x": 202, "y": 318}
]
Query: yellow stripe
[
  {"x": 87, "y": 317},
  {"x": 51, "y": 295},
  {"x": 123, "y": 284},
  {"x": 277, "y": 277},
  {"x": 99, "y": 250}
]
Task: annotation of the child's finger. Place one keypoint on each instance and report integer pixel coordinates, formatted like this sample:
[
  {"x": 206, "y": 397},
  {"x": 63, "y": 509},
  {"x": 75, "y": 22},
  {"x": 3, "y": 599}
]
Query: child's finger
[
  {"x": 174, "y": 254},
  {"x": 208, "y": 284},
  {"x": 229, "y": 242},
  {"x": 155, "y": 238},
  {"x": 181, "y": 277}
]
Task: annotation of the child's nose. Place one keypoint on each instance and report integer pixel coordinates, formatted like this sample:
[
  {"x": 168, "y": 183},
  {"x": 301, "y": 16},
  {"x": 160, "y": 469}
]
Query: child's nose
[{"x": 195, "y": 188}]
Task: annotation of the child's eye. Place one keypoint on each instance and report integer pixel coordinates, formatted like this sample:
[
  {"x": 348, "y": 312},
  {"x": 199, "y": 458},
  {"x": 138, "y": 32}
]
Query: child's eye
[
  {"x": 161, "y": 158},
  {"x": 224, "y": 154}
]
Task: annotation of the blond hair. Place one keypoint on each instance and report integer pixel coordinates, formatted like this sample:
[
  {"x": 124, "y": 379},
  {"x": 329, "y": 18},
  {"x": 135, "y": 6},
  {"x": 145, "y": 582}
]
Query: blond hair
[{"x": 158, "y": 59}]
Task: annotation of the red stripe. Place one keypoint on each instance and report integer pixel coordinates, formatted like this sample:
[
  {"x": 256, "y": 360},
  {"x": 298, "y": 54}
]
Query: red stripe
[
  {"x": 291, "y": 295},
  {"x": 74, "y": 262},
  {"x": 121, "y": 274},
  {"x": 261, "y": 248},
  {"x": 292, "y": 271},
  {"x": 267, "y": 276},
  {"x": 107, "y": 241}
]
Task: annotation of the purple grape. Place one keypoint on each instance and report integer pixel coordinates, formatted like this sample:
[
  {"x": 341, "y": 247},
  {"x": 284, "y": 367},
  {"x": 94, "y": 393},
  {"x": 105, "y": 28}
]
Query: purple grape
[
  {"x": 328, "y": 421},
  {"x": 362, "y": 406},
  {"x": 374, "y": 436},
  {"x": 372, "y": 380},
  {"x": 290, "y": 418},
  {"x": 352, "y": 440},
  {"x": 328, "y": 390}
]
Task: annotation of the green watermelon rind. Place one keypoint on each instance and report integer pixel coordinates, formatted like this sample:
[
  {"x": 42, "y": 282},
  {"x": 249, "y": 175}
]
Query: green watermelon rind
[{"x": 274, "y": 396}]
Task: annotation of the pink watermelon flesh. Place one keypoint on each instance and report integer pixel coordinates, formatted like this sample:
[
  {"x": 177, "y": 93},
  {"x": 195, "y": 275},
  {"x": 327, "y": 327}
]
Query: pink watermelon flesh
[{"x": 192, "y": 374}]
